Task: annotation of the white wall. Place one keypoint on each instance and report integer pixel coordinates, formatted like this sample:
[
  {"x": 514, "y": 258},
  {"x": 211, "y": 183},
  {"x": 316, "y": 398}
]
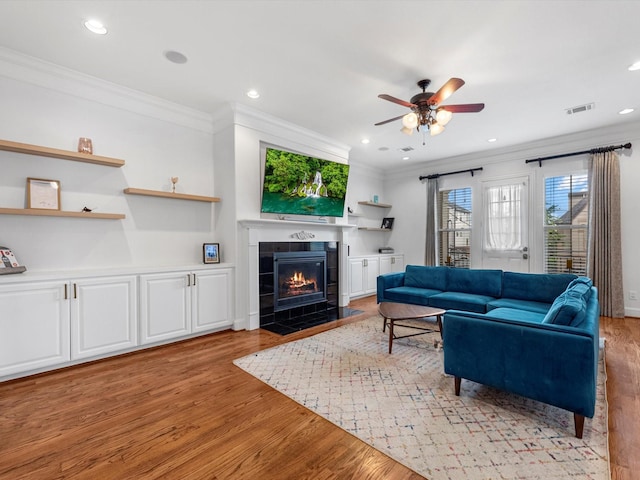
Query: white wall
[
  {"x": 408, "y": 195},
  {"x": 50, "y": 106}
]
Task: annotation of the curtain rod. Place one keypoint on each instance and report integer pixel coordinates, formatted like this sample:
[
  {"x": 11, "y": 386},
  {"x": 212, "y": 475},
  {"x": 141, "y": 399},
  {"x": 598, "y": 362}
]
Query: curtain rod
[
  {"x": 610, "y": 148},
  {"x": 438, "y": 175}
]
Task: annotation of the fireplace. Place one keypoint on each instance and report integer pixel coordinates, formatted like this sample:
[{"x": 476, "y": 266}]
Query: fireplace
[
  {"x": 299, "y": 279},
  {"x": 298, "y": 285}
]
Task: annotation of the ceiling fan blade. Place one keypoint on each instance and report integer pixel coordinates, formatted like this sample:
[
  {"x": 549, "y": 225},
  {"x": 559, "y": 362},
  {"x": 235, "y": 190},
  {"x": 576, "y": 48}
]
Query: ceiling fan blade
[
  {"x": 390, "y": 120},
  {"x": 446, "y": 90},
  {"x": 384, "y": 96},
  {"x": 464, "y": 108}
]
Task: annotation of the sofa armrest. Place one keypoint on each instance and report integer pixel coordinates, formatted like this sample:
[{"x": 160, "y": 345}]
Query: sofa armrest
[
  {"x": 388, "y": 280},
  {"x": 550, "y": 363}
]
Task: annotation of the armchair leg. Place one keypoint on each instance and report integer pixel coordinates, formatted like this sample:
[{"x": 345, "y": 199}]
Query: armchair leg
[
  {"x": 579, "y": 421},
  {"x": 456, "y": 385}
]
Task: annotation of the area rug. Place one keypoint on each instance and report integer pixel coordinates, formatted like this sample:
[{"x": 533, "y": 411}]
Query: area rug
[{"x": 404, "y": 405}]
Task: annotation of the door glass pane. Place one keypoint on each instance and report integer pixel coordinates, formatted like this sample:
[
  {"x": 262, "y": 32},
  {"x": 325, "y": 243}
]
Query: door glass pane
[{"x": 503, "y": 216}]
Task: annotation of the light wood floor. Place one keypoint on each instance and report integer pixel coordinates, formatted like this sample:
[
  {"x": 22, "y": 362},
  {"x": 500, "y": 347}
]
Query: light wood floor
[{"x": 184, "y": 411}]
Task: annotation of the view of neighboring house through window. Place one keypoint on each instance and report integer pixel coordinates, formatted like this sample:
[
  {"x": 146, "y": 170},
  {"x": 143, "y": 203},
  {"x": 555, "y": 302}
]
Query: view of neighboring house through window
[
  {"x": 454, "y": 227},
  {"x": 566, "y": 219}
]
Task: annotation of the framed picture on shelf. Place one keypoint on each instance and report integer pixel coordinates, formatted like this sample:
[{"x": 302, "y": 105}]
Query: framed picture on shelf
[
  {"x": 387, "y": 223},
  {"x": 43, "y": 194},
  {"x": 211, "y": 253}
]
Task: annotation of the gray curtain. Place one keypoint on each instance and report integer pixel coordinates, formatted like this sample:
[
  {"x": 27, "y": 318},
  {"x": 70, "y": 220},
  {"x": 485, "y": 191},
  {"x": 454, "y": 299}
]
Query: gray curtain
[
  {"x": 604, "y": 257},
  {"x": 430, "y": 243}
]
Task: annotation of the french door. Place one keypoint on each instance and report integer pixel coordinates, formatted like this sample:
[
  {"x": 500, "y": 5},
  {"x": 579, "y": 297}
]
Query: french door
[{"x": 505, "y": 232}]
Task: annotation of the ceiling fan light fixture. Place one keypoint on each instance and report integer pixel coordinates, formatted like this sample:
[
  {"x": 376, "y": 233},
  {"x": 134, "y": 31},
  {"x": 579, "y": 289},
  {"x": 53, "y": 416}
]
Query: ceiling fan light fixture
[
  {"x": 443, "y": 116},
  {"x": 410, "y": 120},
  {"x": 436, "y": 129},
  {"x": 407, "y": 130}
]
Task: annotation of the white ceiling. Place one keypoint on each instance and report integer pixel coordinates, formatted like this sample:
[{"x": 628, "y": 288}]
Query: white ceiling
[{"x": 321, "y": 64}]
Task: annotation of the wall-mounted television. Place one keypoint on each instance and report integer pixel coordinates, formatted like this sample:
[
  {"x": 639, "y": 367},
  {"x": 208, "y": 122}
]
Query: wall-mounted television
[{"x": 296, "y": 184}]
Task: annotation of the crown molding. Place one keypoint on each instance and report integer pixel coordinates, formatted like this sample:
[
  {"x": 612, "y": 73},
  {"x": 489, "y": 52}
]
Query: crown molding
[{"x": 24, "y": 68}]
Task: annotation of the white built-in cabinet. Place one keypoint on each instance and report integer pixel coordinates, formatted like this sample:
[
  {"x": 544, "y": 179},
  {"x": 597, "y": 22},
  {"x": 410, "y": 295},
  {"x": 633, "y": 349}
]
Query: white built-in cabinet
[
  {"x": 34, "y": 326},
  {"x": 63, "y": 320},
  {"x": 364, "y": 271},
  {"x": 391, "y": 264},
  {"x": 179, "y": 303},
  {"x": 103, "y": 315}
]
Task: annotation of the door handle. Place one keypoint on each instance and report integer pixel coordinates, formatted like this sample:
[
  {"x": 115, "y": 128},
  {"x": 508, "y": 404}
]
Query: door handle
[{"x": 194, "y": 279}]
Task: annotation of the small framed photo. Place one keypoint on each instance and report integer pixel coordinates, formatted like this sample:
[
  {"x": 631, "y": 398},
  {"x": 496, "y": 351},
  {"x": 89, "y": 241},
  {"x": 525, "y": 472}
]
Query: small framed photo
[
  {"x": 43, "y": 194},
  {"x": 387, "y": 223},
  {"x": 211, "y": 253}
]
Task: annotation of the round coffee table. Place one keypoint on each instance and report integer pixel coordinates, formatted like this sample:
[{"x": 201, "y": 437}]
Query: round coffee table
[{"x": 393, "y": 312}]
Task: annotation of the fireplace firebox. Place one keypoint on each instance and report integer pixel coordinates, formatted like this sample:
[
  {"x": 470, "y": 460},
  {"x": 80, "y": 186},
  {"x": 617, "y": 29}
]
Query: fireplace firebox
[{"x": 299, "y": 279}]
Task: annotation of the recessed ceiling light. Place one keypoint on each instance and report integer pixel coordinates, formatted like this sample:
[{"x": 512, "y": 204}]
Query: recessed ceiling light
[
  {"x": 364, "y": 141},
  {"x": 405, "y": 158},
  {"x": 175, "y": 57},
  {"x": 95, "y": 26},
  {"x": 625, "y": 111},
  {"x": 253, "y": 94},
  {"x": 634, "y": 67},
  {"x": 491, "y": 140}
]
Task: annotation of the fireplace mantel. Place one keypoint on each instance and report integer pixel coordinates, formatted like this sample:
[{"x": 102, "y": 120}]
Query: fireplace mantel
[
  {"x": 272, "y": 230},
  {"x": 270, "y": 223}
]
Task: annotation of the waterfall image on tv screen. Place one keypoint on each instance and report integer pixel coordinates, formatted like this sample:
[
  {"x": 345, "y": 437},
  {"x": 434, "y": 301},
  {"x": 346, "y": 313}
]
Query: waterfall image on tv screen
[{"x": 302, "y": 185}]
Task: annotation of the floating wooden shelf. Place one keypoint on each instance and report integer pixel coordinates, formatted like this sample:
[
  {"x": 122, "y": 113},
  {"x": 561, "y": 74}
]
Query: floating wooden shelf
[
  {"x": 62, "y": 154},
  {"x": 375, "y": 229},
  {"x": 59, "y": 213},
  {"x": 373, "y": 204},
  {"x": 180, "y": 196},
  {"x": 355, "y": 214}
]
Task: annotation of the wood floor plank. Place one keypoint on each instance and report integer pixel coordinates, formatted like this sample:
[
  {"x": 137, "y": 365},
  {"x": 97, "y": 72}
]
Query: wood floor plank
[{"x": 184, "y": 411}]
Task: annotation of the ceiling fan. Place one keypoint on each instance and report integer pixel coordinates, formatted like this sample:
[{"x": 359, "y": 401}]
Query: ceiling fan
[{"x": 426, "y": 110}]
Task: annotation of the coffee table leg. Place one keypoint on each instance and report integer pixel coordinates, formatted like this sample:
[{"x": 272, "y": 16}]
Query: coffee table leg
[
  {"x": 390, "y": 334},
  {"x": 439, "y": 317}
]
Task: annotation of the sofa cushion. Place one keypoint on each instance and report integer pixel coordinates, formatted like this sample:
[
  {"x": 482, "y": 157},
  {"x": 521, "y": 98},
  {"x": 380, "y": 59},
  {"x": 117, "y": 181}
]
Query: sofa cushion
[
  {"x": 567, "y": 309},
  {"x": 419, "y": 276},
  {"x": 478, "y": 282},
  {"x": 580, "y": 289},
  {"x": 581, "y": 280},
  {"x": 526, "y": 305},
  {"x": 413, "y": 295},
  {"x": 535, "y": 287},
  {"x": 460, "y": 301},
  {"x": 515, "y": 314}
]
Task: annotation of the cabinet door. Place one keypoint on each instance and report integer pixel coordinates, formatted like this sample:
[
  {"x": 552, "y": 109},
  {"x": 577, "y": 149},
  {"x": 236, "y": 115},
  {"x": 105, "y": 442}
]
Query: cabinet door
[
  {"x": 103, "y": 315},
  {"x": 356, "y": 277},
  {"x": 386, "y": 265},
  {"x": 372, "y": 270},
  {"x": 165, "y": 306},
  {"x": 34, "y": 326},
  {"x": 211, "y": 291},
  {"x": 397, "y": 263}
]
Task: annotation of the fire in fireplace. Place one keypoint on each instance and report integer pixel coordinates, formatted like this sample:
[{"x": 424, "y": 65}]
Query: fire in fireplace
[{"x": 299, "y": 279}]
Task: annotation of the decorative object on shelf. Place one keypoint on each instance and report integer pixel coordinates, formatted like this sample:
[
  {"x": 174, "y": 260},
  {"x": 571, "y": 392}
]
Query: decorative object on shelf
[
  {"x": 375, "y": 199},
  {"x": 85, "y": 145},
  {"x": 174, "y": 180},
  {"x": 211, "y": 252},
  {"x": 43, "y": 194},
  {"x": 85, "y": 209},
  {"x": 302, "y": 235},
  {"x": 8, "y": 262},
  {"x": 349, "y": 210},
  {"x": 387, "y": 223}
]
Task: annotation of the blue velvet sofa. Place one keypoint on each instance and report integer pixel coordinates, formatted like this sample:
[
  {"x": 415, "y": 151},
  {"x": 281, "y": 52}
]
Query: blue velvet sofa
[{"x": 536, "y": 335}]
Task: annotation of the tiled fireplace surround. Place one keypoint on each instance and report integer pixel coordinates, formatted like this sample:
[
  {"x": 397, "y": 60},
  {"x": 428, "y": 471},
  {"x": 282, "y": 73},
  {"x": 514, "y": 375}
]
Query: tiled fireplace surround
[{"x": 265, "y": 237}]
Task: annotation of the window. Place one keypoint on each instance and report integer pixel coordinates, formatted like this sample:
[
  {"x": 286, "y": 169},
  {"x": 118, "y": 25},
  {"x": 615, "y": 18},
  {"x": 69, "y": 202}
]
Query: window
[
  {"x": 454, "y": 227},
  {"x": 566, "y": 218}
]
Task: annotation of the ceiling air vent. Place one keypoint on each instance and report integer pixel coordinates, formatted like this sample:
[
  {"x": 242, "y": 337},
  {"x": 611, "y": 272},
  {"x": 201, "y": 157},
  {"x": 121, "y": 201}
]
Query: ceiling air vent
[
  {"x": 406, "y": 149},
  {"x": 383, "y": 149},
  {"x": 580, "y": 108}
]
